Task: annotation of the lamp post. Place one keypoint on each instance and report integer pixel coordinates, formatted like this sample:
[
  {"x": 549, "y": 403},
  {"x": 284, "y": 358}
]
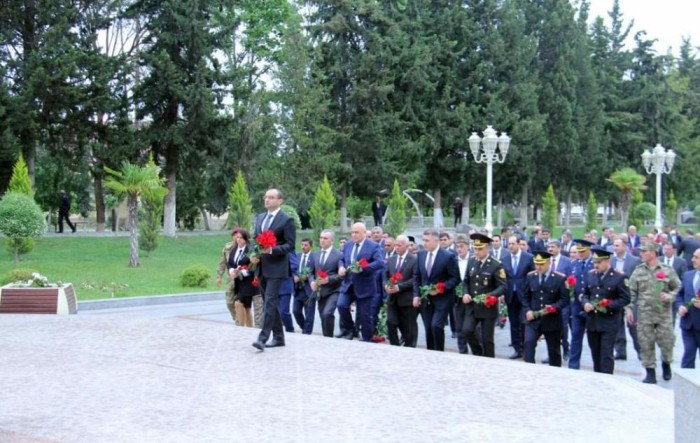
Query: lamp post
[
  {"x": 485, "y": 150},
  {"x": 658, "y": 161}
]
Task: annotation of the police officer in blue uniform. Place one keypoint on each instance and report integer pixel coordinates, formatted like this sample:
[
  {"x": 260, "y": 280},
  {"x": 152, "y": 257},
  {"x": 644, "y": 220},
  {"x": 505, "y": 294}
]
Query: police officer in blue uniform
[{"x": 579, "y": 269}]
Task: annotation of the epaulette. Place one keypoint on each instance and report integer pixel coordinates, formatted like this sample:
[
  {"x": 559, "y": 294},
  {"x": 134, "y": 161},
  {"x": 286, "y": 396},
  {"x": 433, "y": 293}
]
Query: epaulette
[
  {"x": 559, "y": 273},
  {"x": 532, "y": 272},
  {"x": 591, "y": 271},
  {"x": 618, "y": 272}
]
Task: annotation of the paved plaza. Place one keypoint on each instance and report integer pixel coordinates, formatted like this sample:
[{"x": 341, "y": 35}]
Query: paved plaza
[{"x": 183, "y": 372}]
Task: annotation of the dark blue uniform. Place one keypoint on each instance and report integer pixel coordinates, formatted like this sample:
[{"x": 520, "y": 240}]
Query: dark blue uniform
[
  {"x": 602, "y": 326},
  {"x": 579, "y": 270}
]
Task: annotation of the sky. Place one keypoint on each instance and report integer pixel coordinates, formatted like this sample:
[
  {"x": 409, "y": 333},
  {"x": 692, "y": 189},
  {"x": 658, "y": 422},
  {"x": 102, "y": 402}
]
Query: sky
[{"x": 666, "y": 20}]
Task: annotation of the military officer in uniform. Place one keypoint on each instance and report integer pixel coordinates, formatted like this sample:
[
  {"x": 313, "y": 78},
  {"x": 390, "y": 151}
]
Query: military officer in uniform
[
  {"x": 223, "y": 269},
  {"x": 544, "y": 300},
  {"x": 605, "y": 295},
  {"x": 579, "y": 269},
  {"x": 485, "y": 276},
  {"x": 653, "y": 286}
]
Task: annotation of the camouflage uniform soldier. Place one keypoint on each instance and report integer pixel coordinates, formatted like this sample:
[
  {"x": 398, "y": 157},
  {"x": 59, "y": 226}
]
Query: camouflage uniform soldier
[
  {"x": 653, "y": 286},
  {"x": 223, "y": 269}
]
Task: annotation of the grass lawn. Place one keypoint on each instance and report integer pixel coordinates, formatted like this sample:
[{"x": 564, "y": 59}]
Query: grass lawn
[{"x": 98, "y": 266}]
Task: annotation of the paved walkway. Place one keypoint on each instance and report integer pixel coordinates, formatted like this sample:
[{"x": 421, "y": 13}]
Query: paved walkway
[{"x": 183, "y": 372}]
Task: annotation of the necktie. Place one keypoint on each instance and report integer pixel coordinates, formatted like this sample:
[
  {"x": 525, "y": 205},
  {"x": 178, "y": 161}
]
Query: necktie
[
  {"x": 554, "y": 264},
  {"x": 398, "y": 264},
  {"x": 541, "y": 279},
  {"x": 668, "y": 261},
  {"x": 304, "y": 259},
  {"x": 429, "y": 263},
  {"x": 323, "y": 258},
  {"x": 696, "y": 282},
  {"x": 267, "y": 222},
  {"x": 515, "y": 268},
  {"x": 355, "y": 251}
]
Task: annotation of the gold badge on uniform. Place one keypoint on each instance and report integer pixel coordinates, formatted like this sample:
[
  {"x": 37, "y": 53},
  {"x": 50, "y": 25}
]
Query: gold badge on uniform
[{"x": 502, "y": 273}]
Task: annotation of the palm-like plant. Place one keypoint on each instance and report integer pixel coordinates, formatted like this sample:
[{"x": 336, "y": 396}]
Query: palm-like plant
[
  {"x": 133, "y": 181},
  {"x": 627, "y": 180}
]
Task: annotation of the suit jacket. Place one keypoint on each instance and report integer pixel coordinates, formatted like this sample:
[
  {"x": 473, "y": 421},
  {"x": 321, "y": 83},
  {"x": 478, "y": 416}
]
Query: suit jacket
[
  {"x": 634, "y": 242},
  {"x": 613, "y": 286},
  {"x": 404, "y": 297},
  {"x": 244, "y": 283},
  {"x": 515, "y": 279},
  {"x": 691, "y": 320},
  {"x": 630, "y": 262},
  {"x": 287, "y": 286},
  {"x": 363, "y": 283},
  {"x": 330, "y": 266},
  {"x": 563, "y": 265},
  {"x": 678, "y": 264},
  {"x": 687, "y": 247},
  {"x": 444, "y": 269},
  {"x": 536, "y": 244},
  {"x": 500, "y": 253},
  {"x": 551, "y": 292},
  {"x": 489, "y": 279},
  {"x": 303, "y": 288},
  {"x": 276, "y": 264},
  {"x": 580, "y": 269}
]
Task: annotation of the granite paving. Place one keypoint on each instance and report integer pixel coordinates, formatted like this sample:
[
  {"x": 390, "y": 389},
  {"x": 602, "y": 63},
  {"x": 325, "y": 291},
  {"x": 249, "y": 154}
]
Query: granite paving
[{"x": 185, "y": 373}]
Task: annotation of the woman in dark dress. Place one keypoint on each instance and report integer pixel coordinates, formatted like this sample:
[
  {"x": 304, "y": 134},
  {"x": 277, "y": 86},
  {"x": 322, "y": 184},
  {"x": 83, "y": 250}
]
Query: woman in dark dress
[{"x": 238, "y": 268}]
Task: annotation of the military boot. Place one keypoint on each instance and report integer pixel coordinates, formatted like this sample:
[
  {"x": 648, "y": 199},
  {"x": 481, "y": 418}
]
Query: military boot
[
  {"x": 667, "y": 370},
  {"x": 651, "y": 376}
]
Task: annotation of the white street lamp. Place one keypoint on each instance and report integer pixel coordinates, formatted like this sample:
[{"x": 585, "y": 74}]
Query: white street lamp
[
  {"x": 485, "y": 150},
  {"x": 658, "y": 161}
]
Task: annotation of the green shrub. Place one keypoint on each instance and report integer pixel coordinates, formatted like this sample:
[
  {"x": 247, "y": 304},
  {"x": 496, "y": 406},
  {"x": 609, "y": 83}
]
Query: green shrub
[
  {"x": 23, "y": 245},
  {"x": 18, "y": 274},
  {"x": 290, "y": 211},
  {"x": 20, "y": 217},
  {"x": 356, "y": 208},
  {"x": 195, "y": 276}
]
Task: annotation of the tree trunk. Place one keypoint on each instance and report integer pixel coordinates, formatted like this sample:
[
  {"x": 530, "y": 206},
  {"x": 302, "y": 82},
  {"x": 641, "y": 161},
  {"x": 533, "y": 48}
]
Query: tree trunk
[
  {"x": 523, "y": 208},
  {"x": 169, "y": 208},
  {"x": 115, "y": 220},
  {"x": 133, "y": 230},
  {"x": 438, "y": 220},
  {"x": 343, "y": 210},
  {"x": 205, "y": 219},
  {"x": 99, "y": 204},
  {"x": 567, "y": 221}
]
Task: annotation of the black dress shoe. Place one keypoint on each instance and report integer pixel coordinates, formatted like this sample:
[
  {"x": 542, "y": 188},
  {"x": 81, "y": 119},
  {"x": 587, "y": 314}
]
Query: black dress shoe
[
  {"x": 666, "y": 368},
  {"x": 260, "y": 346},
  {"x": 621, "y": 357},
  {"x": 340, "y": 334},
  {"x": 545, "y": 361},
  {"x": 651, "y": 376},
  {"x": 349, "y": 336},
  {"x": 565, "y": 356},
  {"x": 274, "y": 344},
  {"x": 516, "y": 355}
]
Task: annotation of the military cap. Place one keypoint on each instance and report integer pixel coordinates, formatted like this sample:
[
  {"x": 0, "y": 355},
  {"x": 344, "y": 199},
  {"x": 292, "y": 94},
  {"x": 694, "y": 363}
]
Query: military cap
[
  {"x": 541, "y": 257},
  {"x": 411, "y": 238},
  {"x": 600, "y": 253},
  {"x": 649, "y": 246},
  {"x": 480, "y": 240},
  {"x": 582, "y": 245}
]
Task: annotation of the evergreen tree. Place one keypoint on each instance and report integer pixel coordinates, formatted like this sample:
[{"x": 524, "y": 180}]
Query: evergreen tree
[
  {"x": 396, "y": 218},
  {"x": 591, "y": 213},
  {"x": 550, "y": 209},
  {"x": 20, "y": 181},
  {"x": 152, "y": 203},
  {"x": 322, "y": 212},
  {"x": 671, "y": 208},
  {"x": 240, "y": 212}
]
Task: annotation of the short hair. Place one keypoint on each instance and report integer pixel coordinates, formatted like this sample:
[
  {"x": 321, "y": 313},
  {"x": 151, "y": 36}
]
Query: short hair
[
  {"x": 329, "y": 232},
  {"x": 670, "y": 243},
  {"x": 432, "y": 232},
  {"x": 307, "y": 240},
  {"x": 689, "y": 232},
  {"x": 444, "y": 234},
  {"x": 496, "y": 235}
]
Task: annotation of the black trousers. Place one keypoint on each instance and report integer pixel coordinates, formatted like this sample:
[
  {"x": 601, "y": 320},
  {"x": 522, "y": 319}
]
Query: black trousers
[
  {"x": 434, "y": 321},
  {"x": 272, "y": 319},
  {"x": 326, "y": 310},
  {"x": 552, "y": 338},
  {"x": 602, "y": 345},
  {"x": 405, "y": 320},
  {"x": 488, "y": 326},
  {"x": 517, "y": 328}
]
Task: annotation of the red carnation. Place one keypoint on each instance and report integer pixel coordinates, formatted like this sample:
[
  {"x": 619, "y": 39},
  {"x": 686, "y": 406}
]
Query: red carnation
[
  {"x": 571, "y": 281},
  {"x": 440, "y": 287},
  {"x": 490, "y": 301},
  {"x": 266, "y": 239},
  {"x": 660, "y": 275},
  {"x": 363, "y": 262},
  {"x": 243, "y": 267},
  {"x": 321, "y": 274},
  {"x": 396, "y": 278},
  {"x": 256, "y": 283},
  {"x": 604, "y": 303},
  {"x": 551, "y": 309}
]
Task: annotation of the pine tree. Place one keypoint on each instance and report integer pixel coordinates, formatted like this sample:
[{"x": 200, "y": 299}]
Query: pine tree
[
  {"x": 240, "y": 212},
  {"x": 20, "y": 182},
  {"x": 396, "y": 218},
  {"x": 671, "y": 208},
  {"x": 591, "y": 212},
  {"x": 322, "y": 212},
  {"x": 550, "y": 209}
]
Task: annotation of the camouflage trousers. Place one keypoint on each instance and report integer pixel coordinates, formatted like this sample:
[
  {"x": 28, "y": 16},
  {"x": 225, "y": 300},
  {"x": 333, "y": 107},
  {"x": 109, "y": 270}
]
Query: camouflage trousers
[
  {"x": 229, "y": 301},
  {"x": 651, "y": 334},
  {"x": 257, "y": 311}
]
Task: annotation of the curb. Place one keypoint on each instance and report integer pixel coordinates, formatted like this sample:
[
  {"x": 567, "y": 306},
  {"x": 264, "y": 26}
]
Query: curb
[{"x": 130, "y": 302}]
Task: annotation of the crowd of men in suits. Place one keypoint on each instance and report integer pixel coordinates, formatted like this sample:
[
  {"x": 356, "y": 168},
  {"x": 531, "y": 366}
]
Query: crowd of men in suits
[{"x": 557, "y": 289}]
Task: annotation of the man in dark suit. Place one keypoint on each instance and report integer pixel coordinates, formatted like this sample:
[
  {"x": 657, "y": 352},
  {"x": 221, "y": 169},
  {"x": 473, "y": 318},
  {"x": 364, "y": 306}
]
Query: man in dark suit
[
  {"x": 678, "y": 264},
  {"x": 304, "y": 310},
  {"x": 623, "y": 261},
  {"x": 517, "y": 265},
  {"x": 688, "y": 246},
  {"x": 359, "y": 285},
  {"x": 401, "y": 315},
  {"x": 545, "y": 290},
  {"x": 688, "y": 306},
  {"x": 536, "y": 243},
  {"x": 561, "y": 264},
  {"x": 435, "y": 265},
  {"x": 378, "y": 211},
  {"x": 602, "y": 324},
  {"x": 498, "y": 251},
  {"x": 273, "y": 266},
  {"x": 633, "y": 240},
  {"x": 485, "y": 277},
  {"x": 330, "y": 261},
  {"x": 579, "y": 269}
]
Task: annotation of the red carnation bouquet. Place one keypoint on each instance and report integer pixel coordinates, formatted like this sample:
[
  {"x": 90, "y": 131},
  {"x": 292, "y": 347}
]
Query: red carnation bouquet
[
  {"x": 264, "y": 240},
  {"x": 256, "y": 282},
  {"x": 661, "y": 282},
  {"x": 359, "y": 265},
  {"x": 488, "y": 301},
  {"x": 601, "y": 305},
  {"x": 548, "y": 309},
  {"x": 571, "y": 286},
  {"x": 397, "y": 277},
  {"x": 320, "y": 274},
  {"x": 425, "y": 291}
]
